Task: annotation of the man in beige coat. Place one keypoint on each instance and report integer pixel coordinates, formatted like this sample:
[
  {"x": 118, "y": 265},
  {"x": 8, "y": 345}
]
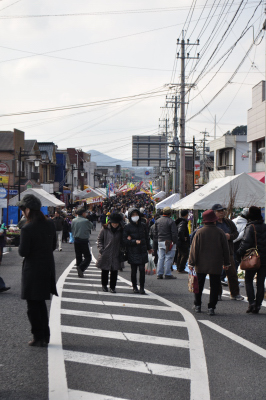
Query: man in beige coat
[{"x": 209, "y": 253}]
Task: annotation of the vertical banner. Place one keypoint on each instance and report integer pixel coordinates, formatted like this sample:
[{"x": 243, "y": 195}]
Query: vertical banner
[{"x": 197, "y": 172}]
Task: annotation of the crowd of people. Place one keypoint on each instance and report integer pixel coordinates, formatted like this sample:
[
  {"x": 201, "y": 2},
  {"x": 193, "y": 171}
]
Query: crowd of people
[{"x": 131, "y": 230}]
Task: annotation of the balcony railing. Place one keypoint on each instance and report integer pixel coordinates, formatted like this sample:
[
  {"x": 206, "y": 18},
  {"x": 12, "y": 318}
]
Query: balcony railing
[{"x": 225, "y": 167}]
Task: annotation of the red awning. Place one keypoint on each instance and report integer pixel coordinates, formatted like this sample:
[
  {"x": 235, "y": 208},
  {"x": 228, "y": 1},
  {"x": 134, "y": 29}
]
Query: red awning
[{"x": 260, "y": 176}]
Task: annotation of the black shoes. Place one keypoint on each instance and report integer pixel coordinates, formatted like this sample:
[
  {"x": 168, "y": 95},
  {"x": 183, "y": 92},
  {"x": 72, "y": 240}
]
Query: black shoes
[
  {"x": 211, "y": 311},
  {"x": 4, "y": 289},
  {"x": 142, "y": 291},
  {"x": 112, "y": 290},
  {"x": 135, "y": 290},
  {"x": 105, "y": 288},
  {"x": 197, "y": 309},
  {"x": 256, "y": 310},
  {"x": 80, "y": 272},
  {"x": 159, "y": 276},
  {"x": 169, "y": 277},
  {"x": 37, "y": 343}
]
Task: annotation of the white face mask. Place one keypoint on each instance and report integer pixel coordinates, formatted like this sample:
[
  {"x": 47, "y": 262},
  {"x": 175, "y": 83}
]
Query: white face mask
[{"x": 135, "y": 219}]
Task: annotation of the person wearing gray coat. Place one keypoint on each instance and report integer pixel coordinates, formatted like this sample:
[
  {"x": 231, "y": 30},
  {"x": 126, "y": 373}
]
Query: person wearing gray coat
[{"x": 109, "y": 243}]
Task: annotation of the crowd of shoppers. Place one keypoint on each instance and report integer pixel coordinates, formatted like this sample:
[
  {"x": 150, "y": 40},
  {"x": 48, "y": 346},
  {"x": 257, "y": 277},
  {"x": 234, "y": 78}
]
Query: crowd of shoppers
[{"x": 130, "y": 230}]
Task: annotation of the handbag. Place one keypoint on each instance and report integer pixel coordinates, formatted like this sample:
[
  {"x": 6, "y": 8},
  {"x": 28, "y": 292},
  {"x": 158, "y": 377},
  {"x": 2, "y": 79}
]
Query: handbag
[
  {"x": 251, "y": 260},
  {"x": 193, "y": 284}
]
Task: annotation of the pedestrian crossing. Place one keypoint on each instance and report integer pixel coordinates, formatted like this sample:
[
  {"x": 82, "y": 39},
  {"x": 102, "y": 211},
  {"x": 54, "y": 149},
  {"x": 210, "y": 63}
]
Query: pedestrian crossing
[{"x": 121, "y": 337}]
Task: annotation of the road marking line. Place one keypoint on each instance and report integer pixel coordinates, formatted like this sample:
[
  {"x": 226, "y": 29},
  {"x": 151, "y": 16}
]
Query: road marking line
[
  {"x": 128, "y": 365},
  {"x": 79, "y": 395},
  {"x": 124, "y": 318},
  {"x": 131, "y": 337},
  {"x": 56, "y": 370},
  {"x": 245, "y": 298},
  {"x": 199, "y": 386},
  {"x": 116, "y": 304},
  {"x": 100, "y": 293},
  {"x": 238, "y": 339},
  {"x": 90, "y": 274},
  {"x": 92, "y": 284},
  {"x": 207, "y": 291}
]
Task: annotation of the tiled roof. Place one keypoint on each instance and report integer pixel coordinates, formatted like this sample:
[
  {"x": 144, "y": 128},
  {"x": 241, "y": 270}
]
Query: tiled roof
[
  {"x": 48, "y": 147},
  {"x": 6, "y": 141},
  {"x": 29, "y": 144}
]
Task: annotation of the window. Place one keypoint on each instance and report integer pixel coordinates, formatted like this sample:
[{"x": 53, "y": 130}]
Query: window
[{"x": 259, "y": 144}]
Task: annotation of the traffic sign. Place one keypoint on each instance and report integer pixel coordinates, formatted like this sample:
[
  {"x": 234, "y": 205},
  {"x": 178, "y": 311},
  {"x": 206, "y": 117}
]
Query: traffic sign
[
  {"x": 13, "y": 192},
  {"x": 3, "y": 169},
  {"x": 4, "y": 179},
  {"x": 147, "y": 173},
  {"x": 3, "y": 193}
]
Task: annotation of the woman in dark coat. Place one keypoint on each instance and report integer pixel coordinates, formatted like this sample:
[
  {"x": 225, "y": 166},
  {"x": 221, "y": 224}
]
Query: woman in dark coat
[
  {"x": 255, "y": 220},
  {"x": 37, "y": 243},
  {"x": 137, "y": 242},
  {"x": 109, "y": 243}
]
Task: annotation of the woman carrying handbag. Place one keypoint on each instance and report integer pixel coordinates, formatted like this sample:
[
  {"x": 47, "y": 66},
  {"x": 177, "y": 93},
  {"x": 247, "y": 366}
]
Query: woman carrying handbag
[{"x": 255, "y": 232}]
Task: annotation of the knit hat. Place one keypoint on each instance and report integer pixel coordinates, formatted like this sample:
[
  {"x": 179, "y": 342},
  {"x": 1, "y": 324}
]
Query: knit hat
[
  {"x": 209, "y": 216},
  {"x": 115, "y": 218},
  {"x": 254, "y": 214},
  {"x": 30, "y": 201},
  {"x": 167, "y": 210},
  {"x": 244, "y": 213}
]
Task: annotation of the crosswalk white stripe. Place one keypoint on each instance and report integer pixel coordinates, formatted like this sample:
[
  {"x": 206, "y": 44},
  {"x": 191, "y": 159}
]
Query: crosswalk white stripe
[
  {"x": 79, "y": 395},
  {"x": 115, "y": 304},
  {"x": 100, "y": 293},
  {"x": 97, "y": 285},
  {"x": 128, "y": 365},
  {"x": 90, "y": 274},
  {"x": 124, "y": 318},
  {"x": 131, "y": 337}
]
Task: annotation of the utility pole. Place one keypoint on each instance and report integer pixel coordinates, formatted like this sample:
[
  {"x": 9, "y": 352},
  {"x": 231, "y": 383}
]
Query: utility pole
[
  {"x": 193, "y": 167},
  {"x": 205, "y": 134},
  {"x": 182, "y": 111},
  {"x": 264, "y": 28}
]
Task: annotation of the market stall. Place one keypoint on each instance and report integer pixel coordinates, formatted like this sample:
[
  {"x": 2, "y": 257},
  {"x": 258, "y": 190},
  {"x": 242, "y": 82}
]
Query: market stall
[
  {"x": 239, "y": 190},
  {"x": 168, "y": 202},
  {"x": 47, "y": 199}
]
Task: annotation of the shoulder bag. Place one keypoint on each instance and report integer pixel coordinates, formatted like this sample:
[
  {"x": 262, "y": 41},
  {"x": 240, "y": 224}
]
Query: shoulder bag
[{"x": 251, "y": 260}]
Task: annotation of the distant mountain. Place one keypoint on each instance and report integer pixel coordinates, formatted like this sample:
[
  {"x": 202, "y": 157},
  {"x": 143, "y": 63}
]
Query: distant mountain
[{"x": 103, "y": 160}]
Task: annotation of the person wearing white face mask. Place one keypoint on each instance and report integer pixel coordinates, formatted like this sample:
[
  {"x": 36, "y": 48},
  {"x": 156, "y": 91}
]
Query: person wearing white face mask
[{"x": 136, "y": 240}]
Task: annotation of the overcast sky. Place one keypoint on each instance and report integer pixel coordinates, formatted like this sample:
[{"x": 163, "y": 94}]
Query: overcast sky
[{"x": 65, "y": 52}]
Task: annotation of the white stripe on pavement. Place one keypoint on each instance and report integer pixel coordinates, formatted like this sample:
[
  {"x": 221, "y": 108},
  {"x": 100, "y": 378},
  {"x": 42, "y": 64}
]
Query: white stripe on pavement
[
  {"x": 131, "y": 337},
  {"x": 128, "y": 365},
  {"x": 92, "y": 284},
  {"x": 79, "y": 395},
  {"x": 124, "y": 318},
  {"x": 116, "y": 304},
  {"x": 101, "y": 293},
  {"x": 238, "y": 339},
  {"x": 227, "y": 294}
]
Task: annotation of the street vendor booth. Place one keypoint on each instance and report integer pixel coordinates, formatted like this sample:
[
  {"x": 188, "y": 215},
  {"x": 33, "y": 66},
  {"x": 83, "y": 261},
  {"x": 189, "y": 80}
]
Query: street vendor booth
[
  {"x": 238, "y": 190},
  {"x": 168, "y": 202},
  {"x": 47, "y": 199},
  {"x": 160, "y": 196}
]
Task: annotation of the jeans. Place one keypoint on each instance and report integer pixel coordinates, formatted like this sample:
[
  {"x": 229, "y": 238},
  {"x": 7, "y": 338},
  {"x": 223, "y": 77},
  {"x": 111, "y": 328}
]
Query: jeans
[
  {"x": 232, "y": 279},
  {"x": 94, "y": 225},
  {"x": 182, "y": 257},
  {"x": 38, "y": 317},
  {"x": 59, "y": 235},
  {"x": 113, "y": 278},
  {"x": 134, "y": 269},
  {"x": 214, "y": 292},
  {"x": 165, "y": 259},
  {"x": 71, "y": 239},
  {"x": 82, "y": 249},
  {"x": 249, "y": 276}
]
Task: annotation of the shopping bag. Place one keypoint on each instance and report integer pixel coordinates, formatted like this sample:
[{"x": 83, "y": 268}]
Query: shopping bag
[
  {"x": 193, "y": 285},
  {"x": 150, "y": 267}
]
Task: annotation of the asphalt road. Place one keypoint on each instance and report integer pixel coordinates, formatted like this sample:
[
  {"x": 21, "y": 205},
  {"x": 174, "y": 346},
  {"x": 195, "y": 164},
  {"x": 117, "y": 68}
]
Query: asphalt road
[{"x": 129, "y": 346}]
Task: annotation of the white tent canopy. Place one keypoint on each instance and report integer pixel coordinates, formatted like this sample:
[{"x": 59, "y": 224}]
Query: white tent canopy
[
  {"x": 168, "y": 202},
  {"x": 90, "y": 192},
  {"x": 243, "y": 189},
  {"x": 47, "y": 199},
  {"x": 160, "y": 195}
]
